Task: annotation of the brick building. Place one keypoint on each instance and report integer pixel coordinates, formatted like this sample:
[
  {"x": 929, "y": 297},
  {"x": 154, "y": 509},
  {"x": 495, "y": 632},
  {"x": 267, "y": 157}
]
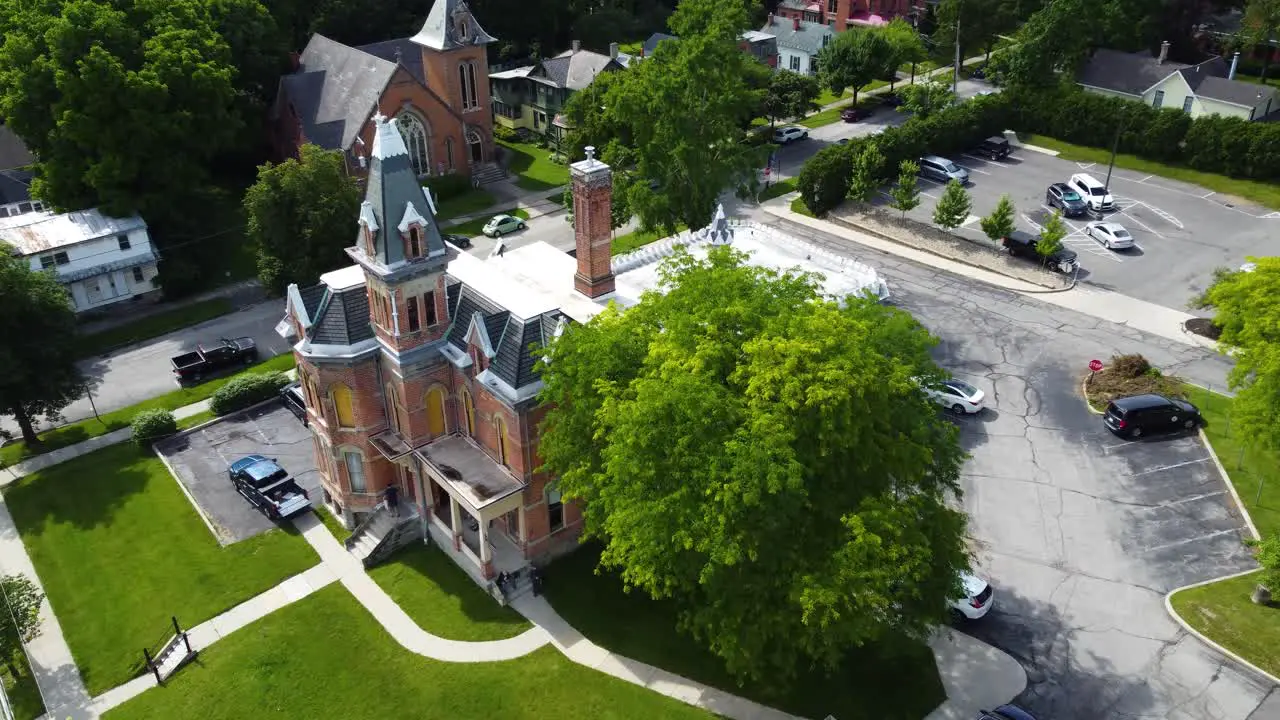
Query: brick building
[
  {"x": 434, "y": 85},
  {"x": 417, "y": 362},
  {"x": 840, "y": 15}
]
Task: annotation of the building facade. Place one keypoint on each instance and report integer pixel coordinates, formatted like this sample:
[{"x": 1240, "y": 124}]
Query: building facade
[
  {"x": 433, "y": 85},
  {"x": 100, "y": 260},
  {"x": 532, "y": 97},
  {"x": 797, "y": 43},
  {"x": 840, "y": 15}
]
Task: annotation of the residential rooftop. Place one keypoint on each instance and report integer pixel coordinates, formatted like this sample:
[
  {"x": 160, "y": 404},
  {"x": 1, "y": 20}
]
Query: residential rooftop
[{"x": 38, "y": 232}]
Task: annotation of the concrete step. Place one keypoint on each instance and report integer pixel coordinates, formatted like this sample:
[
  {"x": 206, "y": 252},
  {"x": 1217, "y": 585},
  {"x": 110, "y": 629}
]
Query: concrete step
[{"x": 487, "y": 173}]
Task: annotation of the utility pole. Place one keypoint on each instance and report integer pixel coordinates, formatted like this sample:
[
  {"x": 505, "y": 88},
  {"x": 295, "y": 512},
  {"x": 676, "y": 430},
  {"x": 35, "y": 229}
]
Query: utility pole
[{"x": 955, "y": 75}]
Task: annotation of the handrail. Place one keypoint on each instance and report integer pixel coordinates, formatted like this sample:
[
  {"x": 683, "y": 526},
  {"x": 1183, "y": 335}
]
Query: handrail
[{"x": 378, "y": 509}]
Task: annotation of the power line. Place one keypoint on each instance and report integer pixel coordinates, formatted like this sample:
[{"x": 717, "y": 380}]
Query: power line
[{"x": 151, "y": 242}]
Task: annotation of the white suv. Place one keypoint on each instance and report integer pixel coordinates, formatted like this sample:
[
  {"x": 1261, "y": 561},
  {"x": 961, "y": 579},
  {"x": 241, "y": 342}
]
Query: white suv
[
  {"x": 1094, "y": 193},
  {"x": 785, "y": 135}
]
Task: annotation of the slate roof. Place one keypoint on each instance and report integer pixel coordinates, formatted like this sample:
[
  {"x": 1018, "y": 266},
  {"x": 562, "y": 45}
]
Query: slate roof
[
  {"x": 410, "y": 55},
  {"x": 311, "y": 297},
  {"x": 809, "y": 38},
  {"x": 343, "y": 317},
  {"x": 510, "y": 336},
  {"x": 15, "y": 186},
  {"x": 1235, "y": 91},
  {"x": 390, "y": 190},
  {"x": 652, "y": 43},
  {"x": 1129, "y": 73},
  {"x": 13, "y": 152},
  {"x": 574, "y": 70},
  {"x": 440, "y": 31},
  {"x": 334, "y": 90}
]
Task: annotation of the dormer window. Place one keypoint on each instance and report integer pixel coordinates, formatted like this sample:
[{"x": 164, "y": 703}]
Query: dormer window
[
  {"x": 462, "y": 27},
  {"x": 368, "y": 242},
  {"x": 415, "y": 242}
]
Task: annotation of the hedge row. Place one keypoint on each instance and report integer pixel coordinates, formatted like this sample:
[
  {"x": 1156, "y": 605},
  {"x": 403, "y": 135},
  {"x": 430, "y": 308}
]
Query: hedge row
[
  {"x": 151, "y": 425},
  {"x": 245, "y": 390}
]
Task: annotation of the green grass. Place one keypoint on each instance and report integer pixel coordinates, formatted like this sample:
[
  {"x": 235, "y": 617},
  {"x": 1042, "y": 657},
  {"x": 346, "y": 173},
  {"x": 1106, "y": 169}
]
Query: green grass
[
  {"x": 798, "y": 206},
  {"x": 443, "y": 599},
  {"x": 199, "y": 418},
  {"x": 638, "y": 238},
  {"x": 631, "y": 48},
  {"x": 921, "y": 67},
  {"x": 335, "y": 528},
  {"x": 468, "y": 203},
  {"x": 778, "y": 189},
  {"x": 119, "y": 550},
  {"x": 325, "y": 656},
  {"x": 85, "y": 429},
  {"x": 532, "y": 168},
  {"x": 1266, "y": 194},
  {"x": 1224, "y": 612},
  {"x": 154, "y": 326},
  {"x": 1249, "y": 467},
  {"x": 24, "y": 695},
  {"x": 472, "y": 228},
  {"x": 868, "y": 686},
  {"x": 832, "y": 115},
  {"x": 558, "y": 198}
]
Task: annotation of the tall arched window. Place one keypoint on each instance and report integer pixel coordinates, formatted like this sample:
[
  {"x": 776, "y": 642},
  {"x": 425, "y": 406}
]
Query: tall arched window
[
  {"x": 343, "y": 406},
  {"x": 500, "y": 441},
  {"x": 415, "y": 140},
  {"x": 435, "y": 411},
  {"x": 467, "y": 83},
  {"x": 468, "y": 412},
  {"x": 448, "y": 152}
]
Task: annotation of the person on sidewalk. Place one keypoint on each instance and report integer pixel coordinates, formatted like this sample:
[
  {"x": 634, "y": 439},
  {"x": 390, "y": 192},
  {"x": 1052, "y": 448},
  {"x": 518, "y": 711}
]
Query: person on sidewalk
[{"x": 392, "y": 494}]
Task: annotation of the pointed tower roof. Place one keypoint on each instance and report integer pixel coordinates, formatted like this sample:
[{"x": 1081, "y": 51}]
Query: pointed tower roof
[
  {"x": 450, "y": 25},
  {"x": 394, "y": 199}
]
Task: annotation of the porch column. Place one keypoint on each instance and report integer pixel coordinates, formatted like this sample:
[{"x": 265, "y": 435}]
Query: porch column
[
  {"x": 455, "y": 522},
  {"x": 486, "y": 555}
]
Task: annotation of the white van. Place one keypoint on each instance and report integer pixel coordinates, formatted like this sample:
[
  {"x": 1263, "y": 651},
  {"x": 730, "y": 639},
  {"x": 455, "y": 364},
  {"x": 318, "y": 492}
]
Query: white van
[{"x": 1094, "y": 193}]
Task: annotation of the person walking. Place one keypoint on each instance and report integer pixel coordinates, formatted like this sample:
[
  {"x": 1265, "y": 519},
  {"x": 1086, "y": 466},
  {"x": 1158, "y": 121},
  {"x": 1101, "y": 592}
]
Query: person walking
[{"x": 392, "y": 494}]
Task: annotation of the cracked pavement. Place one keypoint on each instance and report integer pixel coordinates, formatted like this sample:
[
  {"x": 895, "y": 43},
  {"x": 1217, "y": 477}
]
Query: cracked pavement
[{"x": 1081, "y": 533}]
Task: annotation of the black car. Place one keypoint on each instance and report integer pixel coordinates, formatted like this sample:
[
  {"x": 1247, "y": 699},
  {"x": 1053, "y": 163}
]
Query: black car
[
  {"x": 1062, "y": 197},
  {"x": 892, "y": 99},
  {"x": 461, "y": 241},
  {"x": 993, "y": 148},
  {"x": 292, "y": 397},
  {"x": 1005, "y": 712},
  {"x": 1023, "y": 244},
  {"x": 854, "y": 114},
  {"x": 1138, "y": 415}
]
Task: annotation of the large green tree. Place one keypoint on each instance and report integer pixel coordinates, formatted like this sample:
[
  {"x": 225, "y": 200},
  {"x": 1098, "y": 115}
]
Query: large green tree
[
  {"x": 853, "y": 59},
  {"x": 790, "y": 95},
  {"x": 38, "y": 372},
  {"x": 924, "y": 98},
  {"x": 1057, "y": 37},
  {"x": 299, "y": 214},
  {"x": 763, "y": 458},
  {"x": 1261, "y": 26},
  {"x": 19, "y": 618},
  {"x": 126, "y": 103},
  {"x": 908, "y": 46}
]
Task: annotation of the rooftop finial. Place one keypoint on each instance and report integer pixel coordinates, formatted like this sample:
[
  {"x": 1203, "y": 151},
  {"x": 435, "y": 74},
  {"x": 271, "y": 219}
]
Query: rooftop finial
[
  {"x": 379, "y": 118},
  {"x": 591, "y": 153}
]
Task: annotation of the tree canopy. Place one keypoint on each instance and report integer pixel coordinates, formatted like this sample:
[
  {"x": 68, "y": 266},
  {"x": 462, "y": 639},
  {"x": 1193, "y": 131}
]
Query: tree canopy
[
  {"x": 1261, "y": 25},
  {"x": 38, "y": 374},
  {"x": 790, "y": 95},
  {"x": 300, "y": 217},
  {"x": 764, "y": 458},
  {"x": 853, "y": 59}
]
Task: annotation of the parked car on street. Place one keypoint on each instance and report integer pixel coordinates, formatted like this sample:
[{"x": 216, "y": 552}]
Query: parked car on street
[
  {"x": 1111, "y": 236},
  {"x": 1095, "y": 194},
  {"x": 854, "y": 113},
  {"x": 268, "y": 486},
  {"x": 204, "y": 361},
  {"x": 461, "y": 241},
  {"x": 942, "y": 170},
  {"x": 993, "y": 148},
  {"x": 1139, "y": 415},
  {"x": 978, "y": 599},
  {"x": 958, "y": 396},
  {"x": 1023, "y": 244},
  {"x": 788, "y": 135},
  {"x": 892, "y": 100},
  {"x": 293, "y": 399},
  {"x": 1005, "y": 712},
  {"x": 1063, "y": 198},
  {"x": 500, "y": 225}
]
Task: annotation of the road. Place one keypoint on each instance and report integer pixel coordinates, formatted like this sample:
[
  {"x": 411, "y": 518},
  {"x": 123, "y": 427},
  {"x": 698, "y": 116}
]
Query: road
[{"x": 1080, "y": 533}]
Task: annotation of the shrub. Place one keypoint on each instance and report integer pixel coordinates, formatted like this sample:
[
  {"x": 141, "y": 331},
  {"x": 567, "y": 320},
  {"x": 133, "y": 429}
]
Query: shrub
[
  {"x": 505, "y": 134},
  {"x": 448, "y": 186},
  {"x": 824, "y": 179},
  {"x": 151, "y": 425},
  {"x": 245, "y": 390},
  {"x": 1129, "y": 366},
  {"x": 1268, "y": 555}
]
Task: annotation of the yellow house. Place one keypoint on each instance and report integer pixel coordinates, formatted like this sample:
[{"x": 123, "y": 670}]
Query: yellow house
[{"x": 1207, "y": 88}]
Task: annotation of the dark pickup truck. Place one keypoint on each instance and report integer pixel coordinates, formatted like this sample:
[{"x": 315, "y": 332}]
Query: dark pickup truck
[
  {"x": 268, "y": 486},
  {"x": 207, "y": 360}
]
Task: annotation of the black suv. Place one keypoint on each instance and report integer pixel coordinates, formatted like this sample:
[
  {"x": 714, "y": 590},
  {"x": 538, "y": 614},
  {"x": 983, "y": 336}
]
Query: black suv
[
  {"x": 993, "y": 148},
  {"x": 1138, "y": 415},
  {"x": 292, "y": 397},
  {"x": 1062, "y": 197},
  {"x": 1023, "y": 244}
]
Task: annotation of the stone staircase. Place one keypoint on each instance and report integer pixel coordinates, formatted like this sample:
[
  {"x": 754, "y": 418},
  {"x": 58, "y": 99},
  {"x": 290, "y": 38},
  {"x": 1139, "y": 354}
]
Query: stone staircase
[
  {"x": 381, "y": 534},
  {"x": 487, "y": 173}
]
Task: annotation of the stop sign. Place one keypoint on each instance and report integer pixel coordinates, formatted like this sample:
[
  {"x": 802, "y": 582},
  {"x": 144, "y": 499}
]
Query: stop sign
[{"x": 1095, "y": 365}]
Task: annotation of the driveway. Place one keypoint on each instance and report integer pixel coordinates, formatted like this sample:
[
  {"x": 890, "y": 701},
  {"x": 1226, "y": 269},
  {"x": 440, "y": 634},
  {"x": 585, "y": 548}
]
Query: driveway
[
  {"x": 199, "y": 460},
  {"x": 1081, "y": 533}
]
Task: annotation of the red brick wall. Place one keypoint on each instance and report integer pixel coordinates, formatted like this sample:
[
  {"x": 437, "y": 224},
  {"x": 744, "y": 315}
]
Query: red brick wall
[
  {"x": 592, "y": 229},
  {"x": 441, "y": 70}
]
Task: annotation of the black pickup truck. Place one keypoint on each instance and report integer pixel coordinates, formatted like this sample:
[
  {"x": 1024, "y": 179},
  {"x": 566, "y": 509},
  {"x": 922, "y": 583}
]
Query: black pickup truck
[
  {"x": 207, "y": 360},
  {"x": 268, "y": 486}
]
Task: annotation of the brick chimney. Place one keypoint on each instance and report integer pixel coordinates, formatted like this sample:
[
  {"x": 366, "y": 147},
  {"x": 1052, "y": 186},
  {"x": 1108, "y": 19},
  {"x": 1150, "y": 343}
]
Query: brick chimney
[
  {"x": 1164, "y": 51},
  {"x": 795, "y": 23},
  {"x": 592, "y": 225}
]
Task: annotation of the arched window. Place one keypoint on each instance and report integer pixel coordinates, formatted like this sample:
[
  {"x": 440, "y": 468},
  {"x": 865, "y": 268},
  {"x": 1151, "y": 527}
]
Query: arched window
[
  {"x": 500, "y": 439},
  {"x": 448, "y": 152},
  {"x": 468, "y": 412},
  {"x": 462, "y": 28},
  {"x": 475, "y": 146},
  {"x": 415, "y": 141},
  {"x": 393, "y": 408},
  {"x": 354, "y": 460},
  {"x": 415, "y": 242},
  {"x": 467, "y": 83},
  {"x": 435, "y": 411},
  {"x": 343, "y": 406}
]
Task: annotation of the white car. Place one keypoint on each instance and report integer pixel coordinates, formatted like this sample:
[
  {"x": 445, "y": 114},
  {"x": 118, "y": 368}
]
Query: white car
[
  {"x": 784, "y": 135},
  {"x": 1094, "y": 192},
  {"x": 979, "y": 597},
  {"x": 1111, "y": 236},
  {"x": 958, "y": 396}
]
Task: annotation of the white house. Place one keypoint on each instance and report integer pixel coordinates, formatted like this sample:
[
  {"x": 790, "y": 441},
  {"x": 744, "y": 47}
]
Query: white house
[
  {"x": 798, "y": 42},
  {"x": 99, "y": 259}
]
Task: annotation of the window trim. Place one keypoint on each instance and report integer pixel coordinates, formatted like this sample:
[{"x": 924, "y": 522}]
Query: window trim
[
  {"x": 411, "y": 313},
  {"x": 337, "y": 395},
  {"x": 431, "y": 318},
  {"x": 444, "y": 410},
  {"x": 417, "y": 140},
  {"x": 558, "y": 504},
  {"x": 347, "y": 454},
  {"x": 138, "y": 277},
  {"x": 500, "y": 448}
]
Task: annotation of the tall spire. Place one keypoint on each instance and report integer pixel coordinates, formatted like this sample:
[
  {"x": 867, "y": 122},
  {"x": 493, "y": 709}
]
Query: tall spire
[
  {"x": 450, "y": 25},
  {"x": 387, "y": 140}
]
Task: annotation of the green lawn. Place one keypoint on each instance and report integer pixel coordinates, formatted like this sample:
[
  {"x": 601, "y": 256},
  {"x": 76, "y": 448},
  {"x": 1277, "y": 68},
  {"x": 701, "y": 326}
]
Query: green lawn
[
  {"x": 778, "y": 189},
  {"x": 1223, "y": 612},
  {"x": 335, "y": 528},
  {"x": 637, "y": 238},
  {"x": 1273, "y": 77},
  {"x": 471, "y": 228},
  {"x": 1248, "y": 466},
  {"x": 532, "y": 168},
  {"x": 197, "y": 419},
  {"x": 119, "y": 550},
  {"x": 443, "y": 599},
  {"x": 1262, "y": 193},
  {"x": 85, "y": 429},
  {"x": 826, "y": 97},
  {"x": 24, "y": 695},
  {"x": 868, "y": 686},
  {"x": 325, "y": 656},
  {"x": 468, "y": 203},
  {"x": 921, "y": 67},
  {"x": 798, "y": 206},
  {"x": 154, "y": 326}
]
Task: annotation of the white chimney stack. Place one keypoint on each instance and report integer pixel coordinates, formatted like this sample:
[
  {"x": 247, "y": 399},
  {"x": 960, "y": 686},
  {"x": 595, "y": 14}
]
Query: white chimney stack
[
  {"x": 1235, "y": 62},
  {"x": 613, "y": 50},
  {"x": 576, "y": 45},
  {"x": 1164, "y": 51}
]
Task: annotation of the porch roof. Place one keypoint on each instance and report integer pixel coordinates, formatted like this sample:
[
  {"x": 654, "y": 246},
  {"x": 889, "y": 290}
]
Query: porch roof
[{"x": 468, "y": 470}]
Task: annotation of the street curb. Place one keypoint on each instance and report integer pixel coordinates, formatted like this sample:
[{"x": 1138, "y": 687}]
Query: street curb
[
  {"x": 1038, "y": 149},
  {"x": 1168, "y": 606},
  {"x": 1226, "y": 478},
  {"x": 1200, "y": 339},
  {"x": 1084, "y": 392}
]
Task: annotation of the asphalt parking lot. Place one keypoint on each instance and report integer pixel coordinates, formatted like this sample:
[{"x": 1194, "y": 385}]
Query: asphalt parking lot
[
  {"x": 1182, "y": 233},
  {"x": 200, "y": 459}
]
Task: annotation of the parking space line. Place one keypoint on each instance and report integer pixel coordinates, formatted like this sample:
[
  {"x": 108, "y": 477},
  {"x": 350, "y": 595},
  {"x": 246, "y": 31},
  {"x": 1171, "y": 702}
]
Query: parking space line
[
  {"x": 1162, "y": 468},
  {"x": 1146, "y": 178},
  {"x": 1120, "y": 446},
  {"x": 973, "y": 169},
  {"x": 1141, "y": 224},
  {"x": 1211, "y": 192},
  {"x": 985, "y": 160},
  {"x": 1188, "y": 541}
]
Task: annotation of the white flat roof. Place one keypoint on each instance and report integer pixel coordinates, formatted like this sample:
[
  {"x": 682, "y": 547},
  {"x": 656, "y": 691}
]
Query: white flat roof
[
  {"x": 528, "y": 281},
  {"x": 344, "y": 278},
  {"x": 38, "y": 232}
]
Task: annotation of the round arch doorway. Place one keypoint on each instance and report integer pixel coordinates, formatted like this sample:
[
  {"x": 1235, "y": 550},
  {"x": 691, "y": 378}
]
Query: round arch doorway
[{"x": 475, "y": 147}]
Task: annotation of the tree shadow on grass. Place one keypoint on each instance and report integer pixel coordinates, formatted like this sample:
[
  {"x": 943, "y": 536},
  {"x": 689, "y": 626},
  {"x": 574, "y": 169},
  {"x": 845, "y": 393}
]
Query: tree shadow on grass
[
  {"x": 870, "y": 683},
  {"x": 84, "y": 492}
]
